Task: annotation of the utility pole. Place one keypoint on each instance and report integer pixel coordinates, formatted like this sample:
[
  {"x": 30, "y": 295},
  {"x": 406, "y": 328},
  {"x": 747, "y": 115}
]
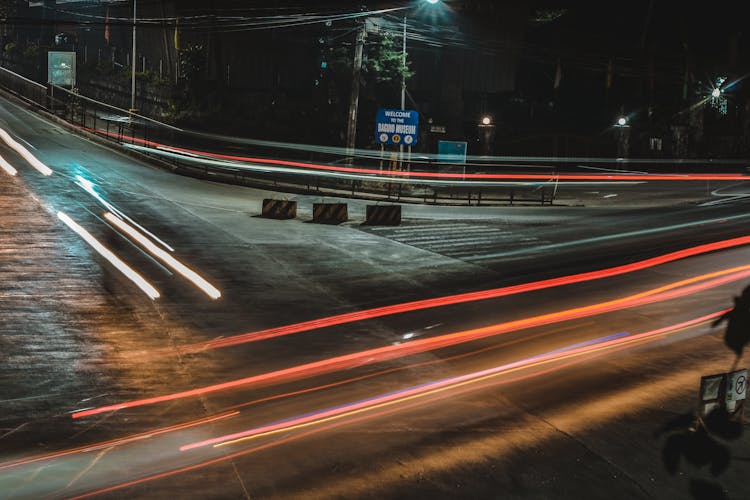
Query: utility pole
[
  {"x": 132, "y": 63},
  {"x": 167, "y": 48},
  {"x": 403, "y": 70},
  {"x": 403, "y": 92},
  {"x": 351, "y": 129}
]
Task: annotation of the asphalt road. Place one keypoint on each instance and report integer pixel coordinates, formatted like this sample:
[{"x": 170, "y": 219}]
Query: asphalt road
[{"x": 543, "y": 394}]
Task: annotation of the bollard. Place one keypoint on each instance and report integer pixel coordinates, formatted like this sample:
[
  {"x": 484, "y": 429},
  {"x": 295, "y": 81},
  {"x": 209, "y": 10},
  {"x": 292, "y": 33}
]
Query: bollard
[
  {"x": 383, "y": 215},
  {"x": 279, "y": 209},
  {"x": 330, "y": 213}
]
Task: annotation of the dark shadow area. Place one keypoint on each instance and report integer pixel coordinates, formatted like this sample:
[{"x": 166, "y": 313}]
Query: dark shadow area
[{"x": 702, "y": 440}]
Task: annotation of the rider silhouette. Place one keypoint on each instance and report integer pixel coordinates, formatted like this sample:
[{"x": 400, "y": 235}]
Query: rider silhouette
[{"x": 737, "y": 334}]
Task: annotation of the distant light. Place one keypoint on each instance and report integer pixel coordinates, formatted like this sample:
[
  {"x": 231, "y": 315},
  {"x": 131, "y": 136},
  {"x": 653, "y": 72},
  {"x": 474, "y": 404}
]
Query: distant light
[
  {"x": 716, "y": 92},
  {"x": 622, "y": 121},
  {"x": 432, "y": 2},
  {"x": 485, "y": 120}
]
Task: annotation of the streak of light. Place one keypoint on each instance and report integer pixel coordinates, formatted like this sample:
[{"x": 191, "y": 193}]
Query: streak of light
[
  {"x": 7, "y": 167},
  {"x": 340, "y": 423},
  {"x": 376, "y": 173},
  {"x": 411, "y": 366},
  {"x": 620, "y": 177},
  {"x": 462, "y": 298},
  {"x": 89, "y": 187},
  {"x": 422, "y": 390},
  {"x": 133, "y": 276},
  {"x": 170, "y": 261},
  {"x": 393, "y": 351},
  {"x": 86, "y": 469},
  {"x": 609, "y": 237},
  {"x": 25, "y": 154},
  {"x": 117, "y": 442}
]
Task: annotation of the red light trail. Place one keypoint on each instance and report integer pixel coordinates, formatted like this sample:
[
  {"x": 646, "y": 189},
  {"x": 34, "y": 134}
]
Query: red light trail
[
  {"x": 433, "y": 175},
  {"x": 386, "y": 353},
  {"x": 464, "y": 387},
  {"x": 437, "y": 386},
  {"x": 461, "y": 298}
]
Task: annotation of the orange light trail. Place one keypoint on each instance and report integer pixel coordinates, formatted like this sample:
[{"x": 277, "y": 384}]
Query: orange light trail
[
  {"x": 448, "y": 300},
  {"x": 391, "y": 410},
  {"x": 390, "y": 370},
  {"x": 116, "y": 442},
  {"x": 423, "y": 390},
  {"x": 435, "y": 175},
  {"x": 386, "y": 353}
]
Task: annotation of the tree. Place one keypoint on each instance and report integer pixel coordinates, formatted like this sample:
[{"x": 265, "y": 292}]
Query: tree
[{"x": 382, "y": 69}]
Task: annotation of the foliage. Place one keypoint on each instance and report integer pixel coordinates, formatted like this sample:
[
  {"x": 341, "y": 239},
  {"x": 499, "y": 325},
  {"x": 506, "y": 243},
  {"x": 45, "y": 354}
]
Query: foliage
[
  {"x": 382, "y": 62},
  {"x": 11, "y": 48},
  {"x": 385, "y": 61},
  {"x": 192, "y": 64},
  {"x": 31, "y": 52},
  {"x": 545, "y": 16}
]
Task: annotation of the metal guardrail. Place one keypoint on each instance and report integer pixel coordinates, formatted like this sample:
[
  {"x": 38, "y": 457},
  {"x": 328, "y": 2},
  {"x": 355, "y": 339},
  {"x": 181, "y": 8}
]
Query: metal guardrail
[
  {"x": 28, "y": 90},
  {"x": 155, "y": 138}
]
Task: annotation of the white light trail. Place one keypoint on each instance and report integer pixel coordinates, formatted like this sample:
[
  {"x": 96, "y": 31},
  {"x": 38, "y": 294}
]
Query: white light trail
[
  {"x": 88, "y": 186},
  {"x": 21, "y": 150},
  {"x": 170, "y": 261},
  {"x": 133, "y": 276},
  {"x": 233, "y": 165},
  {"x": 7, "y": 167}
]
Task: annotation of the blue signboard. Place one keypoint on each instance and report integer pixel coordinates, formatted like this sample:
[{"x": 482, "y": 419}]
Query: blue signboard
[
  {"x": 397, "y": 126},
  {"x": 452, "y": 151}
]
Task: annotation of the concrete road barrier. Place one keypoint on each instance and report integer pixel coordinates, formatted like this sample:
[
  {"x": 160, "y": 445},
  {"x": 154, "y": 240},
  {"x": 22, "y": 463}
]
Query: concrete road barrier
[
  {"x": 330, "y": 213},
  {"x": 383, "y": 215},
  {"x": 279, "y": 209}
]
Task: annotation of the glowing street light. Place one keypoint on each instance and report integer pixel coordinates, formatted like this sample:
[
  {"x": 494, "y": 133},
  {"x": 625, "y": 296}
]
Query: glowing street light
[
  {"x": 403, "y": 79},
  {"x": 403, "y": 60},
  {"x": 622, "y": 121},
  {"x": 716, "y": 92},
  {"x": 486, "y": 120}
]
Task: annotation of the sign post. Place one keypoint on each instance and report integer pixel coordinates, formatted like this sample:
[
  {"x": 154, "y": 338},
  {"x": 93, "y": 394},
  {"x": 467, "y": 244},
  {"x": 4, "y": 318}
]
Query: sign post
[
  {"x": 723, "y": 390},
  {"x": 399, "y": 127}
]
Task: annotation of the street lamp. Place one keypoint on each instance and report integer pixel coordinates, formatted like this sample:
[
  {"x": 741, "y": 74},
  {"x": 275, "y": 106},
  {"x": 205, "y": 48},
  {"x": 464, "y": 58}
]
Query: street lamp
[
  {"x": 403, "y": 78},
  {"x": 622, "y": 121},
  {"x": 716, "y": 92},
  {"x": 403, "y": 60},
  {"x": 486, "y": 135}
]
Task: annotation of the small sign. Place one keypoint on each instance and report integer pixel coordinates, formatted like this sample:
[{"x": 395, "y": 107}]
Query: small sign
[
  {"x": 397, "y": 126},
  {"x": 710, "y": 393},
  {"x": 452, "y": 151},
  {"x": 736, "y": 387},
  {"x": 61, "y": 68},
  {"x": 438, "y": 129}
]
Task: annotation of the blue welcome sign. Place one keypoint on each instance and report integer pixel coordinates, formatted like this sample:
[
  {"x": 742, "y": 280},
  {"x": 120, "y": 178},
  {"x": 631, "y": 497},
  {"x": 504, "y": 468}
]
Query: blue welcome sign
[{"x": 397, "y": 126}]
